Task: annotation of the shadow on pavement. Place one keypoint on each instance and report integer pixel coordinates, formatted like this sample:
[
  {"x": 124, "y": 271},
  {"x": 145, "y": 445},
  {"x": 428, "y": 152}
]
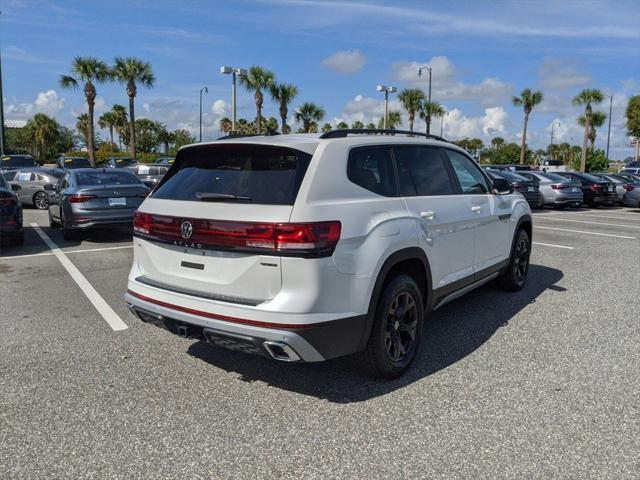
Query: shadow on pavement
[{"x": 451, "y": 333}]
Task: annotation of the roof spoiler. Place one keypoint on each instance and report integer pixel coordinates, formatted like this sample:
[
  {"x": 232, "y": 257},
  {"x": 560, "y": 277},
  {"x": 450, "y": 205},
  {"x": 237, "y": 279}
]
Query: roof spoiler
[{"x": 341, "y": 133}]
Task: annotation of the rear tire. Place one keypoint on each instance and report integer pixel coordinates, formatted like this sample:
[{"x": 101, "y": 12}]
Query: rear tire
[
  {"x": 396, "y": 331},
  {"x": 41, "y": 200},
  {"x": 515, "y": 277},
  {"x": 52, "y": 222},
  {"x": 67, "y": 233}
]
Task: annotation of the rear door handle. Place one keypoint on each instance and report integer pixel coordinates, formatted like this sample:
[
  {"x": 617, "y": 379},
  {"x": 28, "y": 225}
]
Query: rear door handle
[
  {"x": 476, "y": 209},
  {"x": 428, "y": 215}
]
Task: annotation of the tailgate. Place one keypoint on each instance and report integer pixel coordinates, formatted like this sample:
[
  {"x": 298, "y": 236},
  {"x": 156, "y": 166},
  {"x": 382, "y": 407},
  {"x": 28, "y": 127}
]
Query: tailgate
[{"x": 178, "y": 264}]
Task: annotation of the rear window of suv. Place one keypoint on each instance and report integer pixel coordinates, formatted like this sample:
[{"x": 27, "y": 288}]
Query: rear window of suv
[{"x": 260, "y": 174}]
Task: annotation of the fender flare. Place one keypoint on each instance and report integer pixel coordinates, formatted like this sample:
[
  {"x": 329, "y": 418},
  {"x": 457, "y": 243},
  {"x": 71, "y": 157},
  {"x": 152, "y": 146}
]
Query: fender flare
[
  {"x": 411, "y": 253},
  {"x": 523, "y": 219}
]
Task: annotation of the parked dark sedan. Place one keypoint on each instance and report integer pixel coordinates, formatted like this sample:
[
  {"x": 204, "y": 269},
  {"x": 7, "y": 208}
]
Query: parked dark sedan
[
  {"x": 29, "y": 185},
  {"x": 528, "y": 188},
  {"x": 150, "y": 175},
  {"x": 120, "y": 162},
  {"x": 595, "y": 190},
  {"x": 69, "y": 163},
  {"x": 86, "y": 198},
  {"x": 165, "y": 161},
  {"x": 10, "y": 216},
  {"x": 13, "y": 162}
]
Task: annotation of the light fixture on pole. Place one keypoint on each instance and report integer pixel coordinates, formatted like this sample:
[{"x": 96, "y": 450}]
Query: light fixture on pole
[
  {"x": 234, "y": 72},
  {"x": 387, "y": 90},
  {"x": 426, "y": 67},
  {"x": 202, "y": 90},
  {"x": 609, "y": 129}
]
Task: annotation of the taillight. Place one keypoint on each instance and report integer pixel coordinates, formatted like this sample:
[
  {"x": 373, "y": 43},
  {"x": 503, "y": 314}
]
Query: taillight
[
  {"x": 316, "y": 239},
  {"x": 559, "y": 186},
  {"x": 629, "y": 187},
  {"x": 595, "y": 187},
  {"x": 79, "y": 198},
  {"x": 8, "y": 199}
]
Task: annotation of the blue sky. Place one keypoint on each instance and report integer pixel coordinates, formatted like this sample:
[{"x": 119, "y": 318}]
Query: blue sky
[{"x": 482, "y": 53}]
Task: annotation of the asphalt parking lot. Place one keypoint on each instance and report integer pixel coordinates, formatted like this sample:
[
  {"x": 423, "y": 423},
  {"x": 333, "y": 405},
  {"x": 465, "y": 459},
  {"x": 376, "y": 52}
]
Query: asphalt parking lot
[{"x": 539, "y": 384}]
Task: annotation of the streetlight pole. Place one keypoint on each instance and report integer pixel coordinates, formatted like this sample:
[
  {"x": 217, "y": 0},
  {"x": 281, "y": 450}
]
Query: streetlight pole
[
  {"x": 387, "y": 90},
  {"x": 609, "y": 129},
  {"x": 234, "y": 73},
  {"x": 428, "y": 96},
  {"x": 202, "y": 90}
]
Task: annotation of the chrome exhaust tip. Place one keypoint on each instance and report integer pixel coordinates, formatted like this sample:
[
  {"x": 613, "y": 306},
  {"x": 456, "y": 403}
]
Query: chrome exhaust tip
[{"x": 280, "y": 351}]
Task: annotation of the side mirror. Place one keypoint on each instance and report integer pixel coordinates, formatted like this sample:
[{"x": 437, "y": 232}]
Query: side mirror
[
  {"x": 15, "y": 187},
  {"x": 502, "y": 187},
  {"x": 49, "y": 187}
]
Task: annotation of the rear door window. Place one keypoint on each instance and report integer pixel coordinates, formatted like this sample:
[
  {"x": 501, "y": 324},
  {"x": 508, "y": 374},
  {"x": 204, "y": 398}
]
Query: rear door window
[
  {"x": 423, "y": 171},
  {"x": 260, "y": 174},
  {"x": 471, "y": 178},
  {"x": 371, "y": 169}
]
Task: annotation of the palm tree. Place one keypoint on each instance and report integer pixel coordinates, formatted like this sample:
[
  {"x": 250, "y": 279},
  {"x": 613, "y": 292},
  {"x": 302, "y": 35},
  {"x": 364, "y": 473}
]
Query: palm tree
[
  {"x": 121, "y": 121},
  {"x": 284, "y": 95},
  {"x": 132, "y": 71},
  {"x": 587, "y": 97},
  {"x": 225, "y": 125},
  {"x": 357, "y": 125},
  {"x": 394, "y": 118},
  {"x": 43, "y": 130},
  {"x": 327, "y": 127},
  {"x": 597, "y": 120},
  {"x": 108, "y": 120},
  {"x": 527, "y": 100},
  {"x": 309, "y": 113},
  {"x": 82, "y": 125},
  {"x": 164, "y": 136},
  {"x": 342, "y": 125},
  {"x": 371, "y": 126},
  {"x": 497, "y": 142},
  {"x": 429, "y": 110},
  {"x": 90, "y": 71},
  {"x": 257, "y": 80},
  {"x": 411, "y": 100}
]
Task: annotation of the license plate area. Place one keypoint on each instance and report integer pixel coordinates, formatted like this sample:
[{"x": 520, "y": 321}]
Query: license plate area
[{"x": 117, "y": 201}]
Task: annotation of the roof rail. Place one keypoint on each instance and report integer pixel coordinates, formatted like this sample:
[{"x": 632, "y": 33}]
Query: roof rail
[{"x": 341, "y": 133}]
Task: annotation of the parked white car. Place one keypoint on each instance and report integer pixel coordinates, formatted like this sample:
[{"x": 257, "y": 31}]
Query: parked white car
[{"x": 310, "y": 247}]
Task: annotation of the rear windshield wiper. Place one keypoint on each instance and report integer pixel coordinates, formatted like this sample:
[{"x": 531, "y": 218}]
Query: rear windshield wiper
[{"x": 218, "y": 197}]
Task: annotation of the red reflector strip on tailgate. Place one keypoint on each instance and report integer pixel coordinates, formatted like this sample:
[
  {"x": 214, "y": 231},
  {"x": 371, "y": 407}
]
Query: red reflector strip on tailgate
[{"x": 224, "y": 318}]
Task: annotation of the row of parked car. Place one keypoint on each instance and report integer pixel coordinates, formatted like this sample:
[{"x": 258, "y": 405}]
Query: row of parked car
[
  {"x": 571, "y": 189},
  {"x": 77, "y": 196}
]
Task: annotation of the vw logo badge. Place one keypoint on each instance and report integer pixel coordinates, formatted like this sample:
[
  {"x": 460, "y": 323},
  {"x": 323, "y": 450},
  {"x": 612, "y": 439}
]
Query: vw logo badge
[{"x": 186, "y": 229}]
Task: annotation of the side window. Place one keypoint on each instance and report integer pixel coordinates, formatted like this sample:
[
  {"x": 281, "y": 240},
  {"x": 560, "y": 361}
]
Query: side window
[
  {"x": 42, "y": 178},
  {"x": 25, "y": 177},
  {"x": 371, "y": 168},
  {"x": 423, "y": 171},
  {"x": 471, "y": 179}
]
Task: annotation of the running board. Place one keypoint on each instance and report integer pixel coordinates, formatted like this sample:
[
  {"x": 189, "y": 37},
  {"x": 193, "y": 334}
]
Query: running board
[{"x": 467, "y": 289}]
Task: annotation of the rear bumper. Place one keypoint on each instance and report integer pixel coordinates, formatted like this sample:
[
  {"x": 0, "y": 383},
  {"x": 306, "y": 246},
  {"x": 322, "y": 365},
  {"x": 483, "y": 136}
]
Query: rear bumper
[
  {"x": 310, "y": 342},
  {"x": 573, "y": 199}
]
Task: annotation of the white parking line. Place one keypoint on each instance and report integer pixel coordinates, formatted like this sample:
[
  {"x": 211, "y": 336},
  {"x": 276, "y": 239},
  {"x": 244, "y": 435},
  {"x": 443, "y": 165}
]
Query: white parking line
[
  {"x": 586, "y": 233},
  {"x": 546, "y": 217},
  {"x": 552, "y": 245},
  {"x": 85, "y": 250},
  {"x": 111, "y": 317},
  {"x": 586, "y": 215}
]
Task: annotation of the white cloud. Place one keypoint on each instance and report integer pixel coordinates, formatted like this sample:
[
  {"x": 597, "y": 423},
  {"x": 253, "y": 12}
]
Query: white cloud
[
  {"x": 48, "y": 102},
  {"x": 219, "y": 108},
  {"x": 446, "y": 86},
  {"x": 347, "y": 61},
  {"x": 556, "y": 73}
]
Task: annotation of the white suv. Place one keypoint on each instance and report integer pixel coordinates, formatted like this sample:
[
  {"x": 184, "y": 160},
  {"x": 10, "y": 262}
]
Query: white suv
[{"x": 307, "y": 247}]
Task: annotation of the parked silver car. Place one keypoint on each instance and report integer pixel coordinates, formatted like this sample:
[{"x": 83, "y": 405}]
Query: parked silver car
[
  {"x": 556, "y": 190},
  {"x": 631, "y": 197},
  {"x": 29, "y": 185},
  {"x": 88, "y": 197},
  {"x": 150, "y": 175}
]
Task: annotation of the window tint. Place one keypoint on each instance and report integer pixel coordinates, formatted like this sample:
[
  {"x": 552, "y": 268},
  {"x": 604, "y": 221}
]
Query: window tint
[
  {"x": 246, "y": 173},
  {"x": 106, "y": 178},
  {"x": 10, "y": 175},
  {"x": 422, "y": 171},
  {"x": 469, "y": 175},
  {"x": 371, "y": 169},
  {"x": 553, "y": 177}
]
